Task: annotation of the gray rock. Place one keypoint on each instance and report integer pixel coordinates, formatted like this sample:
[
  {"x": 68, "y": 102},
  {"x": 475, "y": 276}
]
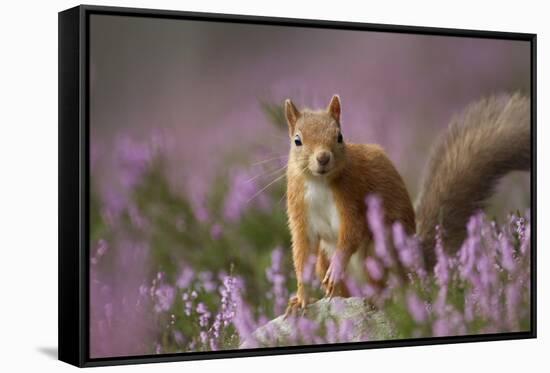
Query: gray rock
[{"x": 325, "y": 321}]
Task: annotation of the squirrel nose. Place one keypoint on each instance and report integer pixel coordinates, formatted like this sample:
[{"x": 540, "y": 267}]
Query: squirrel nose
[{"x": 323, "y": 158}]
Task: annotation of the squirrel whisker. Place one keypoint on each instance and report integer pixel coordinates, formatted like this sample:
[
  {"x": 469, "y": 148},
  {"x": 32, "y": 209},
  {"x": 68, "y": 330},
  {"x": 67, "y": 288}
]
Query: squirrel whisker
[
  {"x": 267, "y": 174},
  {"x": 269, "y": 160},
  {"x": 282, "y": 198},
  {"x": 264, "y": 188}
]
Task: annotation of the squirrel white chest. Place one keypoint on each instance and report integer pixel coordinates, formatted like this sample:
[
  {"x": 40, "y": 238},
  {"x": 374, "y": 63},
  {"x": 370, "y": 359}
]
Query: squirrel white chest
[{"x": 322, "y": 214}]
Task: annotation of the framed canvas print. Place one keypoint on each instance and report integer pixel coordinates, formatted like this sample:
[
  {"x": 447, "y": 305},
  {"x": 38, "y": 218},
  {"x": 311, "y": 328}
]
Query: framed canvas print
[{"x": 234, "y": 186}]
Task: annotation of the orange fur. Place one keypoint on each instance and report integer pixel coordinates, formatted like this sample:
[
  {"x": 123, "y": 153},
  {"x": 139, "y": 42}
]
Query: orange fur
[{"x": 353, "y": 172}]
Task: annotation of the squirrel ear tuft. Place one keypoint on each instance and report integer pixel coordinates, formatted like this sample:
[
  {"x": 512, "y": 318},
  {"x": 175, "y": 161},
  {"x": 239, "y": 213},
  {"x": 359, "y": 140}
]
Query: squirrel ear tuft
[
  {"x": 292, "y": 114},
  {"x": 335, "y": 108}
]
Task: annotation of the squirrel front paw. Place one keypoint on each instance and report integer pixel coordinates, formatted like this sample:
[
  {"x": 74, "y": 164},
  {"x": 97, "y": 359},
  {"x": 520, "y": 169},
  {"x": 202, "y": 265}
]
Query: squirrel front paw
[{"x": 297, "y": 305}]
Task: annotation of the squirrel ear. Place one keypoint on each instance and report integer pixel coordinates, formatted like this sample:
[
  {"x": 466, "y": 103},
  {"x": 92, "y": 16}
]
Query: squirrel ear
[
  {"x": 335, "y": 108},
  {"x": 292, "y": 114}
]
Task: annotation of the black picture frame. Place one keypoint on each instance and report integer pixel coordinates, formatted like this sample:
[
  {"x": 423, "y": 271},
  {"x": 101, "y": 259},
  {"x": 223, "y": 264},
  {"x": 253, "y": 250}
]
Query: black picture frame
[{"x": 74, "y": 177}]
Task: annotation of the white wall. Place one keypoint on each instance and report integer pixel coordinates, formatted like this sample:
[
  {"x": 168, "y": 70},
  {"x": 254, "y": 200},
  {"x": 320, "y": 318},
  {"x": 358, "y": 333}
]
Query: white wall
[{"x": 28, "y": 183}]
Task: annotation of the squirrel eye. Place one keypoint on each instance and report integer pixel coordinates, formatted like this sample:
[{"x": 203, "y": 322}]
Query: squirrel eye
[
  {"x": 297, "y": 140},
  {"x": 340, "y": 138}
]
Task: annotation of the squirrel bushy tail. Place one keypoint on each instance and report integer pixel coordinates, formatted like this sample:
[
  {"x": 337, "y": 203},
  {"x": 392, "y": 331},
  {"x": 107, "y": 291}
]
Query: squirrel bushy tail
[{"x": 490, "y": 138}]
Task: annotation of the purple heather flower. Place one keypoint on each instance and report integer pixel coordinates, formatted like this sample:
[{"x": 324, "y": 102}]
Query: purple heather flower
[
  {"x": 204, "y": 337},
  {"x": 277, "y": 279},
  {"x": 440, "y": 328},
  {"x": 243, "y": 191},
  {"x": 213, "y": 344},
  {"x": 520, "y": 228},
  {"x": 228, "y": 301},
  {"x": 469, "y": 251},
  {"x": 368, "y": 291},
  {"x": 417, "y": 308},
  {"x": 353, "y": 286},
  {"x": 486, "y": 270},
  {"x": 306, "y": 330},
  {"x": 308, "y": 276},
  {"x": 227, "y": 310},
  {"x": 375, "y": 218},
  {"x": 331, "y": 330},
  {"x": 185, "y": 278},
  {"x": 188, "y": 306},
  {"x": 374, "y": 268},
  {"x": 507, "y": 254},
  {"x": 406, "y": 256},
  {"x": 202, "y": 214},
  {"x": 243, "y": 320},
  {"x": 201, "y": 308},
  {"x": 346, "y": 330},
  {"x": 440, "y": 305},
  {"x": 399, "y": 235},
  {"x": 164, "y": 297},
  {"x": 207, "y": 281},
  {"x": 277, "y": 257},
  {"x": 337, "y": 265},
  {"x": 204, "y": 314},
  {"x": 408, "y": 251}
]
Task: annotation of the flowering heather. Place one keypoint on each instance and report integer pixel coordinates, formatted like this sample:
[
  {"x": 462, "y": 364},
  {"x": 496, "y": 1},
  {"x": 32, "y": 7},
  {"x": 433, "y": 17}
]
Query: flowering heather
[
  {"x": 374, "y": 268},
  {"x": 417, "y": 308},
  {"x": 243, "y": 191},
  {"x": 185, "y": 277},
  {"x": 277, "y": 278},
  {"x": 375, "y": 218},
  {"x": 174, "y": 271},
  {"x": 164, "y": 297},
  {"x": 189, "y": 244}
]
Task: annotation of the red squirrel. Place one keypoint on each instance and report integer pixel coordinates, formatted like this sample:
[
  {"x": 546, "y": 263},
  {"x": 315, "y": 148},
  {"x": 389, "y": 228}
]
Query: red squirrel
[{"x": 328, "y": 180}]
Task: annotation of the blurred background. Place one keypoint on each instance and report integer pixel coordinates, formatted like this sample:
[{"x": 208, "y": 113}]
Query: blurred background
[{"x": 187, "y": 131}]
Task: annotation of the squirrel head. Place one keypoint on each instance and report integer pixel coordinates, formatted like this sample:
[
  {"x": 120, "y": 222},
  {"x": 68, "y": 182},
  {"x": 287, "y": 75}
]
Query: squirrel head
[{"x": 317, "y": 146}]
